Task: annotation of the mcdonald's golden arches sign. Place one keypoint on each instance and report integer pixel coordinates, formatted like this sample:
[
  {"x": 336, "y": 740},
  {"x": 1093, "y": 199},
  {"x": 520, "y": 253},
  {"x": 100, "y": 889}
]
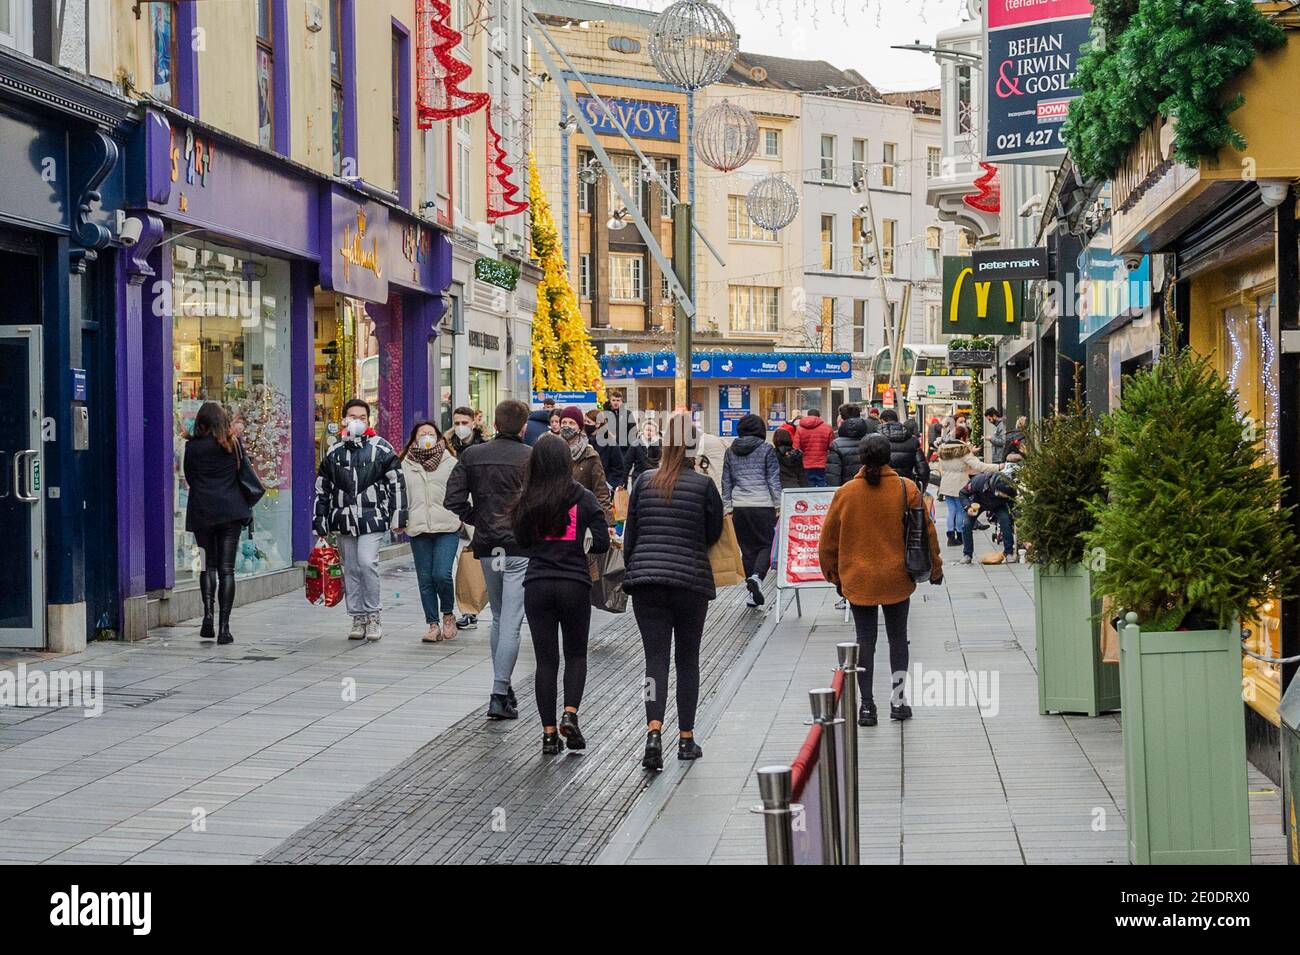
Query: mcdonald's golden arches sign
[{"x": 979, "y": 308}]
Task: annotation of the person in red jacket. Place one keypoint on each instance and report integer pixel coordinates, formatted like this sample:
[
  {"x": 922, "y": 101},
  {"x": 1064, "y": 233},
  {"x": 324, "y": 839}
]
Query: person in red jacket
[{"x": 813, "y": 437}]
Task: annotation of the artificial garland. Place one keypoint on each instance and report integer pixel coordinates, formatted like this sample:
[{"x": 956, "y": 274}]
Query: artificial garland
[
  {"x": 439, "y": 96},
  {"x": 500, "y": 190},
  {"x": 1163, "y": 58}
]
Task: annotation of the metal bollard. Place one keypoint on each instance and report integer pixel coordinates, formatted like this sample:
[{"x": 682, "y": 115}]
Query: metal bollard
[
  {"x": 823, "y": 711},
  {"x": 774, "y": 788},
  {"x": 848, "y": 657}
]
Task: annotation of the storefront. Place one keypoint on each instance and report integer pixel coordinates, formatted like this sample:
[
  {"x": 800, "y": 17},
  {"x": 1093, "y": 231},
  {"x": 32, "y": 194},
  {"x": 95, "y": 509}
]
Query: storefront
[
  {"x": 726, "y": 386},
  {"x": 281, "y": 295},
  {"x": 60, "y": 251}
]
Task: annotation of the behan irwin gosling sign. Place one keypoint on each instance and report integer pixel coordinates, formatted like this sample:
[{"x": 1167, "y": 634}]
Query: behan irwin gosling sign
[
  {"x": 995, "y": 264},
  {"x": 641, "y": 118}
]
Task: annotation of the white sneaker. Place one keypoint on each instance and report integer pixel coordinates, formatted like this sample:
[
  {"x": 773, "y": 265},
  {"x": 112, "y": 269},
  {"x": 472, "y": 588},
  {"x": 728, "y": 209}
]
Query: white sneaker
[
  {"x": 966, "y": 559},
  {"x": 750, "y": 602},
  {"x": 1012, "y": 558},
  {"x": 358, "y": 631},
  {"x": 373, "y": 630},
  {"x": 842, "y": 603}
]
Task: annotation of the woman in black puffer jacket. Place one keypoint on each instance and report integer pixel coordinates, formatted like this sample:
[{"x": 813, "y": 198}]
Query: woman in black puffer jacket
[
  {"x": 842, "y": 457},
  {"x": 674, "y": 516}
]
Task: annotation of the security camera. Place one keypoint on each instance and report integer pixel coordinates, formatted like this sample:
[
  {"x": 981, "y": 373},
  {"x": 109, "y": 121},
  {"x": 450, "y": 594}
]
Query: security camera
[
  {"x": 1133, "y": 260},
  {"x": 129, "y": 228}
]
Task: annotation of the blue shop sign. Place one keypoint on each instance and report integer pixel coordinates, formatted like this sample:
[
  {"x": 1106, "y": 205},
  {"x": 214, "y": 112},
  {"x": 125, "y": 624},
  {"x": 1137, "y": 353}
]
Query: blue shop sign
[
  {"x": 1107, "y": 289},
  {"x": 563, "y": 399},
  {"x": 641, "y": 118},
  {"x": 730, "y": 365}
]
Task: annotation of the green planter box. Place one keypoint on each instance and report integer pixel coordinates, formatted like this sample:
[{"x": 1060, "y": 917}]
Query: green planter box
[
  {"x": 1184, "y": 747},
  {"x": 1071, "y": 676}
]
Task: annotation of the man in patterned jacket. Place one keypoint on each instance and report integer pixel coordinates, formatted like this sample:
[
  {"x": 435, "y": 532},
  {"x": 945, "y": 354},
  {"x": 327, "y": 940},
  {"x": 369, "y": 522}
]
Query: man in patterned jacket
[{"x": 360, "y": 495}]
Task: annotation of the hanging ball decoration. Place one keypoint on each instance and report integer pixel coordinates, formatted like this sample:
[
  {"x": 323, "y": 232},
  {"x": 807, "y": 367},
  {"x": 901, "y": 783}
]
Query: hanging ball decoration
[
  {"x": 726, "y": 136},
  {"x": 773, "y": 203},
  {"x": 693, "y": 43}
]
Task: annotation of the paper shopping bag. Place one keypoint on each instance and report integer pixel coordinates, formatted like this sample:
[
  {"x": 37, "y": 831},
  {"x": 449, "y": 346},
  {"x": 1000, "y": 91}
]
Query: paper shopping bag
[
  {"x": 724, "y": 556},
  {"x": 471, "y": 588}
]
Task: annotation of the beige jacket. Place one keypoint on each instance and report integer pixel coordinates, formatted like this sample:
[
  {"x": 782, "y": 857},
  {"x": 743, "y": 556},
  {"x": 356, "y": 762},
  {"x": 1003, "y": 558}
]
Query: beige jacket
[
  {"x": 425, "y": 492},
  {"x": 957, "y": 463}
]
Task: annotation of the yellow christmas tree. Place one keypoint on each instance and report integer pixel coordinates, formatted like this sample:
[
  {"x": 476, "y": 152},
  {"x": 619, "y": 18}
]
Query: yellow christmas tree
[{"x": 563, "y": 356}]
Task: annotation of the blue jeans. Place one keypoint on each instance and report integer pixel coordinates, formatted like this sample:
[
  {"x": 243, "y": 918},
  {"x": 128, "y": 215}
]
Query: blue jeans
[
  {"x": 435, "y": 556},
  {"x": 816, "y": 476},
  {"x": 1000, "y": 514},
  {"x": 956, "y": 516}
]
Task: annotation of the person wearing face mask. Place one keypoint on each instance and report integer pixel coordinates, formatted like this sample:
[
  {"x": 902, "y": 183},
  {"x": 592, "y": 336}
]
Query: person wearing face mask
[
  {"x": 587, "y": 468},
  {"x": 360, "y": 495},
  {"x": 434, "y": 531},
  {"x": 464, "y": 431}
]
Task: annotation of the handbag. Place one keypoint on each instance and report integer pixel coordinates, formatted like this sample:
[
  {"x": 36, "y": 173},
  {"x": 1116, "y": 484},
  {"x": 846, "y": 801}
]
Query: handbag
[
  {"x": 916, "y": 545},
  {"x": 250, "y": 485},
  {"x": 724, "y": 557},
  {"x": 607, "y": 591}
]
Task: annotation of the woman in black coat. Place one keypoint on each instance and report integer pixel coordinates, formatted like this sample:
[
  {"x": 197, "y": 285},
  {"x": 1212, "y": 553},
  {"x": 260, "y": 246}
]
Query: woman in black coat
[
  {"x": 674, "y": 515},
  {"x": 216, "y": 513}
]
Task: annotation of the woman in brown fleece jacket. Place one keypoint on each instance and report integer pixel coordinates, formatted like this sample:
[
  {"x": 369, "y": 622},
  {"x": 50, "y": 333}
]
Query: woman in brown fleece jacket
[{"x": 862, "y": 555}]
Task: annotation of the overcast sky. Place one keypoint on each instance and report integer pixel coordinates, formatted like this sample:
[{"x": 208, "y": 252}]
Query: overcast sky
[{"x": 851, "y": 34}]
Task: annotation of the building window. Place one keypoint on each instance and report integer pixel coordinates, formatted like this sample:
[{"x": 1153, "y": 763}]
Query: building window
[
  {"x": 336, "y": 84},
  {"x": 828, "y": 324},
  {"x": 828, "y": 243},
  {"x": 889, "y": 229},
  {"x": 584, "y": 275},
  {"x": 933, "y": 320},
  {"x": 888, "y": 170},
  {"x": 859, "y": 263},
  {"x": 859, "y": 325},
  {"x": 626, "y": 278},
  {"x": 754, "y": 308},
  {"x": 933, "y": 251},
  {"x": 628, "y": 169},
  {"x": 771, "y": 143},
  {"x": 586, "y": 191},
  {"x": 668, "y": 172},
  {"x": 828, "y": 159},
  {"x": 965, "y": 106},
  {"x": 16, "y": 27},
  {"x": 265, "y": 74},
  {"x": 933, "y": 161},
  {"x": 162, "y": 44},
  {"x": 741, "y": 226},
  {"x": 460, "y": 197},
  {"x": 860, "y": 160}
]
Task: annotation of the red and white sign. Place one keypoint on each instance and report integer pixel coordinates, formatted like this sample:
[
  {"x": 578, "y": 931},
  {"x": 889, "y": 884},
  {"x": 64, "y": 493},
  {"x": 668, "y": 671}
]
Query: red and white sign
[
  {"x": 799, "y": 536},
  {"x": 1053, "y": 110},
  {"x": 1010, "y": 13}
]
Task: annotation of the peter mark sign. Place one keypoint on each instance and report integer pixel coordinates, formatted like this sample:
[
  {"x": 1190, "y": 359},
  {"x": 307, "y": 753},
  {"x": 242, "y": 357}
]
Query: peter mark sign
[
  {"x": 1031, "y": 53},
  {"x": 978, "y": 307},
  {"x": 997, "y": 264}
]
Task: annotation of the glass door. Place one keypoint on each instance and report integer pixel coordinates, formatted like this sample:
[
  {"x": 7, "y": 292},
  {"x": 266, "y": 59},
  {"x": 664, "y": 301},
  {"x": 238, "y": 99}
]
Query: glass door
[{"x": 22, "y": 598}]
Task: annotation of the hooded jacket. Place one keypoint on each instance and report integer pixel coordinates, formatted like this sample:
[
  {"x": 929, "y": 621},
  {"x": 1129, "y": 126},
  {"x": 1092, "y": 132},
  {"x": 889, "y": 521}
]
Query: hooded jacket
[
  {"x": 905, "y": 453},
  {"x": 751, "y": 473},
  {"x": 539, "y": 422},
  {"x": 957, "y": 464},
  {"x": 990, "y": 490},
  {"x": 813, "y": 437},
  {"x": 792, "y": 472},
  {"x": 842, "y": 458}
]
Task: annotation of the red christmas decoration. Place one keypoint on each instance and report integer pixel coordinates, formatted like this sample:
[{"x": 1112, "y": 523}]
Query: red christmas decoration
[
  {"x": 500, "y": 190},
  {"x": 989, "y": 197},
  {"x": 439, "y": 74}
]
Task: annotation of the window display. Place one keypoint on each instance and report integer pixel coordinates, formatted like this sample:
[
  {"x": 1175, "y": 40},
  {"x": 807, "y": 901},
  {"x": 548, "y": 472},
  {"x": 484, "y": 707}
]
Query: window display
[{"x": 230, "y": 344}]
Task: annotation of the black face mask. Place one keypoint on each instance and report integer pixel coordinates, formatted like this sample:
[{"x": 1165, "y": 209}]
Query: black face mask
[{"x": 590, "y": 429}]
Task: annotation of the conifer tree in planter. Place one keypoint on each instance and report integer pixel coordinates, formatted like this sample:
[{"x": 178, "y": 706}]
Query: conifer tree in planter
[
  {"x": 1192, "y": 542},
  {"x": 1061, "y": 475}
]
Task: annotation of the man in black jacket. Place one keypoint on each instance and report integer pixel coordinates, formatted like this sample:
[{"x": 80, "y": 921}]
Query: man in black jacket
[
  {"x": 906, "y": 456},
  {"x": 842, "y": 457},
  {"x": 360, "y": 495},
  {"x": 481, "y": 491},
  {"x": 989, "y": 493}
]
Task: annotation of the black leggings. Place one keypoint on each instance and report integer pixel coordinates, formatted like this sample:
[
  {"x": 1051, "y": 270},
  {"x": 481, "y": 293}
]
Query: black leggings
[
  {"x": 220, "y": 545},
  {"x": 553, "y": 606},
  {"x": 864, "y": 621},
  {"x": 754, "y": 529},
  {"x": 668, "y": 615}
]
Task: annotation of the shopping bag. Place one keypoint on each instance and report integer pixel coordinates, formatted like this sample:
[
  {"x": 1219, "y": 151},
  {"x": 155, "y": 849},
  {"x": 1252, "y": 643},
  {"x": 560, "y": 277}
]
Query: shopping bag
[
  {"x": 607, "y": 588},
  {"x": 724, "y": 556},
  {"x": 324, "y": 576},
  {"x": 1109, "y": 635},
  {"x": 621, "y": 498},
  {"x": 471, "y": 588}
]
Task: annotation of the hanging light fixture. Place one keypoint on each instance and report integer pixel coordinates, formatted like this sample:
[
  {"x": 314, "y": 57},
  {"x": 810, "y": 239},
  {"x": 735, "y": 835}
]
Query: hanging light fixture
[
  {"x": 569, "y": 123},
  {"x": 589, "y": 173},
  {"x": 726, "y": 136},
  {"x": 859, "y": 186},
  {"x": 773, "y": 203},
  {"x": 618, "y": 221},
  {"x": 692, "y": 44}
]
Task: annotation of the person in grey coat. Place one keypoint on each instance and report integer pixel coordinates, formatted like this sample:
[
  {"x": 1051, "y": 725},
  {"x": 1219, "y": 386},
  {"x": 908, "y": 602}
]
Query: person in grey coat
[
  {"x": 998, "y": 437},
  {"x": 751, "y": 491}
]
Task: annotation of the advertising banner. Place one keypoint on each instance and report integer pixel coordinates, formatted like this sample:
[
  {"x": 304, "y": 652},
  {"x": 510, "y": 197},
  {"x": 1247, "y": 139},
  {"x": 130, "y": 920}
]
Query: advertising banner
[
  {"x": 799, "y": 534},
  {"x": 993, "y": 264},
  {"x": 733, "y": 404},
  {"x": 1108, "y": 288},
  {"x": 972, "y": 307},
  {"x": 1031, "y": 53}
]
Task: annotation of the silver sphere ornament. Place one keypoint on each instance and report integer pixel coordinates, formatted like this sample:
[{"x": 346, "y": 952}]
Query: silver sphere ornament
[
  {"x": 773, "y": 203},
  {"x": 693, "y": 43},
  {"x": 726, "y": 136}
]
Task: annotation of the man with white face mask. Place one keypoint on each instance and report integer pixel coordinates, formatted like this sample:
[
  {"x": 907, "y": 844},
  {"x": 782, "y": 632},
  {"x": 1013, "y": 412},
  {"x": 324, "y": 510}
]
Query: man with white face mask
[
  {"x": 360, "y": 495},
  {"x": 464, "y": 432}
]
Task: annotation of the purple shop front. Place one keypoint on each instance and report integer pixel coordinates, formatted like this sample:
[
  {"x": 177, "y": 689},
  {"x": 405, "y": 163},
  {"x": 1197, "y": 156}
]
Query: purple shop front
[{"x": 218, "y": 302}]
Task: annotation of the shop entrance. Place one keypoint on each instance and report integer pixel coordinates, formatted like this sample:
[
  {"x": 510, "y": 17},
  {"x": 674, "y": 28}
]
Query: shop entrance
[{"x": 22, "y": 599}]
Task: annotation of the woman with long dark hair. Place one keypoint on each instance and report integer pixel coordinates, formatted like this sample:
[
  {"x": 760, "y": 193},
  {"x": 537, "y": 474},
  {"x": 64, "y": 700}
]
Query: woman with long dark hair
[
  {"x": 555, "y": 521},
  {"x": 863, "y": 554},
  {"x": 674, "y": 515},
  {"x": 216, "y": 512},
  {"x": 427, "y": 463}
]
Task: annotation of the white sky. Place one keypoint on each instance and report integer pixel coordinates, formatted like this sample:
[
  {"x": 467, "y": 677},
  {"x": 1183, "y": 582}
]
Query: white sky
[{"x": 851, "y": 34}]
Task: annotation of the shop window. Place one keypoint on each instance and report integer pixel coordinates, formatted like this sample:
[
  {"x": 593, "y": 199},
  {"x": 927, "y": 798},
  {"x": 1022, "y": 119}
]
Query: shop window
[
  {"x": 626, "y": 278},
  {"x": 230, "y": 344},
  {"x": 483, "y": 393},
  {"x": 890, "y": 168}
]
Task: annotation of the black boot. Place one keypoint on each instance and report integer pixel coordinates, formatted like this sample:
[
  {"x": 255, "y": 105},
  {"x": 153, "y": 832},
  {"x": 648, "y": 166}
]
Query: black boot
[
  {"x": 654, "y": 751},
  {"x": 954, "y": 539},
  {"x": 571, "y": 732},
  {"x": 208, "y": 588},
  {"x": 687, "y": 748},
  {"x": 552, "y": 745},
  {"x": 867, "y": 713},
  {"x": 226, "y": 601}
]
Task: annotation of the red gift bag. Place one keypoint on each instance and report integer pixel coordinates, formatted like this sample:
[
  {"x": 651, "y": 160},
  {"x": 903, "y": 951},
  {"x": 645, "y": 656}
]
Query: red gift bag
[{"x": 324, "y": 576}]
